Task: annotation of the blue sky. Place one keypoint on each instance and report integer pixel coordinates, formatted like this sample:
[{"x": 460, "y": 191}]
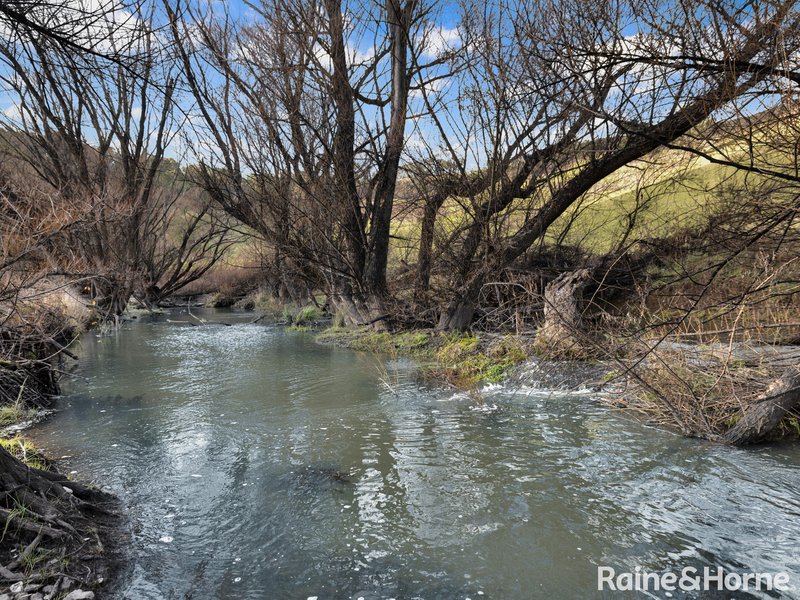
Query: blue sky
[{"x": 445, "y": 17}]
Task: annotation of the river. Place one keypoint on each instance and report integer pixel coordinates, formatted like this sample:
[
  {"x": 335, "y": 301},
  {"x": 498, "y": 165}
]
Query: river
[{"x": 257, "y": 464}]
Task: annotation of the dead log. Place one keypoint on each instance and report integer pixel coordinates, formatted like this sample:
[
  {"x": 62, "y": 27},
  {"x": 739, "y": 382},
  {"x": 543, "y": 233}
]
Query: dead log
[{"x": 762, "y": 416}]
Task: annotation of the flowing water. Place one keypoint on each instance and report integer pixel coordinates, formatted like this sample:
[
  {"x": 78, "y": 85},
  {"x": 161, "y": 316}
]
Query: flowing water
[{"x": 257, "y": 464}]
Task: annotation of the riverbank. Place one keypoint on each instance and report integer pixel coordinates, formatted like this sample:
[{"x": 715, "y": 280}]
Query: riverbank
[
  {"x": 465, "y": 361},
  {"x": 705, "y": 391},
  {"x": 61, "y": 538}
]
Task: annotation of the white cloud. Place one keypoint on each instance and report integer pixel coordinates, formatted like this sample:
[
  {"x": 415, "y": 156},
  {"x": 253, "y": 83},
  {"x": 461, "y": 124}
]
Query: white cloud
[
  {"x": 440, "y": 40},
  {"x": 416, "y": 143},
  {"x": 359, "y": 57},
  {"x": 12, "y": 113}
]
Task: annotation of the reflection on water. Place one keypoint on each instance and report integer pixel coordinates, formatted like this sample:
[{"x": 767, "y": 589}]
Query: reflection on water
[{"x": 257, "y": 464}]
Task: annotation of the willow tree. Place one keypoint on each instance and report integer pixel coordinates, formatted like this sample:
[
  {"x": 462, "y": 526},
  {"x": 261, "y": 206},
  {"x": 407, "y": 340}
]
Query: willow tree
[
  {"x": 93, "y": 119},
  {"x": 554, "y": 97},
  {"x": 304, "y": 115}
]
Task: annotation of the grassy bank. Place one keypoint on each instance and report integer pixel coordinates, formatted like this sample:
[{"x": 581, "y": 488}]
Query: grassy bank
[
  {"x": 462, "y": 360},
  {"x": 24, "y": 451}
]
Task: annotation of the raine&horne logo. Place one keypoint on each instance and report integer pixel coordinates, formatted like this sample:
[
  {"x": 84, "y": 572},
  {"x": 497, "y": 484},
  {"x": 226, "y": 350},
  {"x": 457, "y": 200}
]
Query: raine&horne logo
[{"x": 689, "y": 579}]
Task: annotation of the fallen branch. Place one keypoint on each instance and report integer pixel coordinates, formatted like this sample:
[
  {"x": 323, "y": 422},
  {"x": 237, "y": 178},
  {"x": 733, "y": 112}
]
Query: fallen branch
[{"x": 762, "y": 416}]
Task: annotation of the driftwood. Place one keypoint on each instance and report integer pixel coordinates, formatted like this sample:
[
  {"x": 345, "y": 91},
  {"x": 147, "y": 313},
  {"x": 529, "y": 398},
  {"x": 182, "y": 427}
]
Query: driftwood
[{"x": 762, "y": 416}]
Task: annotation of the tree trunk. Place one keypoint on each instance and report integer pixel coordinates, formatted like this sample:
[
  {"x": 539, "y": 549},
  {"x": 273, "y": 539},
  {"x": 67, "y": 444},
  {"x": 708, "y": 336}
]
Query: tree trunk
[
  {"x": 348, "y": 211},
  {"x": 425, "y": 255},
  {"x": 457, "y": 316},
  {"x": 762, "y": 416},
  {"x": 378, "y": 313},
  {"x": 563, "y": 320},
  {"x": 398, "y": 20},
  {"x": 151, "y": 297},
  {"x": 112, "y": 296},
  {"x": 345, "y": 302}
]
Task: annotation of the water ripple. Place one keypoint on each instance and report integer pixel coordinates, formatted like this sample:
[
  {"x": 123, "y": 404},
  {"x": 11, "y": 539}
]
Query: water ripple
[{"x": 256, "y": 464}]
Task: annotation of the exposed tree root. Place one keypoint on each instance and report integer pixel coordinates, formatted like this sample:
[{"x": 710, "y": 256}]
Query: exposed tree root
[{"x": 56, "y": 533}]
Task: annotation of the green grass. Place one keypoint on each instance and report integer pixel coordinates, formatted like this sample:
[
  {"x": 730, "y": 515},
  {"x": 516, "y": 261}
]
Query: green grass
[
  {"x": 468, "y": 361},
  {"x": 32, "y": 560},
  {"x": 11, "y": 414},
  {"x": 307, "y": 316},
  {"x": 660, "y": 203},
  {"x": 464, "y": 361},
  {"x": 668, "y": 192},
  {"x": 304, "y": 319},
  {"x": 25, "y": 451},
  {"x": 20, "y": 511},
  {"x": 413, "y": 343}
]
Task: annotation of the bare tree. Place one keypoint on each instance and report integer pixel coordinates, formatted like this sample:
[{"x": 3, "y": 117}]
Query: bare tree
[
  {"x": 95, "y": 134},
  {"x": 555, "y": 97},
  {"x": 182, "y": 240},
  {"x": 307, "y": 113},
  {"x": 81, "y": 29}
]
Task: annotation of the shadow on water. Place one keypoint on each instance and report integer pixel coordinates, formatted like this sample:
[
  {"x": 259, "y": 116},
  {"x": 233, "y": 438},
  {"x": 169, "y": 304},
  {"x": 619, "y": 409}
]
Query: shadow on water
[{"x": 316, "y": 478}]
